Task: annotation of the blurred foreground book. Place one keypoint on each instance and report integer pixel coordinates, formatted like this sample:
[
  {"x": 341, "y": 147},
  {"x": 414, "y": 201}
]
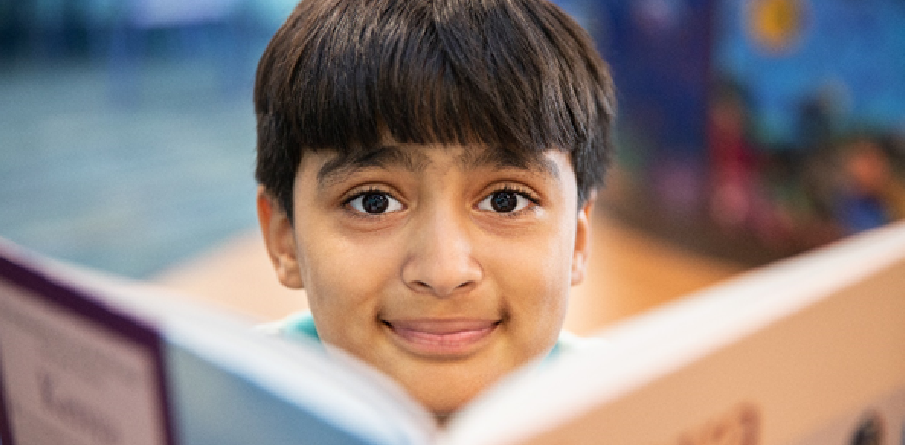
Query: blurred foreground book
[{"x": 810, "y": 350}]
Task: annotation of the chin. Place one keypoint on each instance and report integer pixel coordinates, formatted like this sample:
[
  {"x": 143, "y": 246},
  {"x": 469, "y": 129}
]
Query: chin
[
  {"x": 446, "y": 407},
  {"x": 446, "y": 393}
]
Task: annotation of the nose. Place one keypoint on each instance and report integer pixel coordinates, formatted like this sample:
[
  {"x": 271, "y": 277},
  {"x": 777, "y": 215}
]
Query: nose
[{"x": 441, "y": 259}]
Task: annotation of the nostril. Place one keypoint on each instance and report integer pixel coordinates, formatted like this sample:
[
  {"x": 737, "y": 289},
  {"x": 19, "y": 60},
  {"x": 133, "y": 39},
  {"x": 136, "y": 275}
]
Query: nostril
[{"x": 424, "y": 286}]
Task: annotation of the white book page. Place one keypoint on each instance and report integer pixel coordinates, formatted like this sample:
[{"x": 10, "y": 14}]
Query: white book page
[{"x": 69, "y": 381}]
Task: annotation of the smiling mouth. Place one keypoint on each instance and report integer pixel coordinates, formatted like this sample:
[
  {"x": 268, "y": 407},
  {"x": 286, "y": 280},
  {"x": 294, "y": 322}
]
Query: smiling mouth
[{"x": 441, "y": 338}]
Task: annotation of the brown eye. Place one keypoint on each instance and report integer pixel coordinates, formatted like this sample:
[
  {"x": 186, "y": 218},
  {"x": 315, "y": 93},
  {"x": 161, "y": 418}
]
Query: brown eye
[
  {"x": 505, "y": 201},
  {"x": 374, "y": 203}
]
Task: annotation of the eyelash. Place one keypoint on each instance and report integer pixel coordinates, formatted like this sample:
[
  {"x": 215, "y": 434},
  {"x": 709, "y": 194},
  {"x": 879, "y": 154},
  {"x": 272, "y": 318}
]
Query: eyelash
[
  {"x": 518, "y": 190},
  {"x": 358, "y": 192}
]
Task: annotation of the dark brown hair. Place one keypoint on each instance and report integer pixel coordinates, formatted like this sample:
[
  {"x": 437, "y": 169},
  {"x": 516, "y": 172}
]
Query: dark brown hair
[{"x": 516, "y": 75}]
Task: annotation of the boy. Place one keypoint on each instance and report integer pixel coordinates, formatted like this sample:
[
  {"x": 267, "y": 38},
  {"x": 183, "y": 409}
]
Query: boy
[{"x": 427, "y": 170}]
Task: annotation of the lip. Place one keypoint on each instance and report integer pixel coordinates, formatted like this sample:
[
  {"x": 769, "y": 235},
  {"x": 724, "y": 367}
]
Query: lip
[{"x": 441, "y": 338}]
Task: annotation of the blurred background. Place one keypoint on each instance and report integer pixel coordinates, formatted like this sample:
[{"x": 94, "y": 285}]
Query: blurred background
[
  {"x": 126, "y": 126},
  {"x": 749, "y": 131},
  {"x": 757, "y": 129}
]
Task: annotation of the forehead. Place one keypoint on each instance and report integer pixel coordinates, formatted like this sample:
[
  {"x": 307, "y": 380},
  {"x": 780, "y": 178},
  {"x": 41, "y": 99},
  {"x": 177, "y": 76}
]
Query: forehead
[{"x": 334, "y": 166}]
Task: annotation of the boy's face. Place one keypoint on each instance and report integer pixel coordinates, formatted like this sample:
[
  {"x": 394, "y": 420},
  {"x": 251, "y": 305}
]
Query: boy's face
[{"x": 444, "y": 267}]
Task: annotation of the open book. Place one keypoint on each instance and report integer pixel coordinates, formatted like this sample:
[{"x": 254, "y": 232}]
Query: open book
[{"x": 806, "y": 351}]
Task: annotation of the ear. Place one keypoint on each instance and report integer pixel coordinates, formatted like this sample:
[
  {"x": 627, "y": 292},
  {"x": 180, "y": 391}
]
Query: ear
[
  {"x": 279, "y": 239},
  {"x": 582, "y": 240}
]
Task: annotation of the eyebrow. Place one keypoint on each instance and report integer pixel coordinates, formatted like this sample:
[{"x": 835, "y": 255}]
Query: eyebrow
[
  {"x": 343, "y": 165},
  {"x": 502, "y": 158}
]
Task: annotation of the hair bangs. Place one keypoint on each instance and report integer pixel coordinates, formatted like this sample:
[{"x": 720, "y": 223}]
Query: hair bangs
[
  {"x": 501, "y": 84},
  {"x": 517, "y": 75}
]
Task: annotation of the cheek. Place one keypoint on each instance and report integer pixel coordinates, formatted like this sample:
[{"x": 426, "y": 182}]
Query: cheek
[
  {"x": 556, "y": 267},
  {"x": 346, "y": 286},
  {"x": 535, "y": 296},
  {"x": 555, "y": 251},
  {"x": 345, "y": 274},
  {"x": 536, "y": 274}
]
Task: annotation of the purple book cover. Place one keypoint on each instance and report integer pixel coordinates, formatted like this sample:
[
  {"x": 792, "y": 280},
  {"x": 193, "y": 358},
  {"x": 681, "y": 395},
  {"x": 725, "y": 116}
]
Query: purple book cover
[{"x": 72, "y": 366}]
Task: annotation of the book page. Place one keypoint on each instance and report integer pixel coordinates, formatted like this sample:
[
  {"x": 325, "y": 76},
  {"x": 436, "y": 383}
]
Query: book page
[
  {"x": 880, "y": 421},
  {"x": 66, "y": 379}
]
